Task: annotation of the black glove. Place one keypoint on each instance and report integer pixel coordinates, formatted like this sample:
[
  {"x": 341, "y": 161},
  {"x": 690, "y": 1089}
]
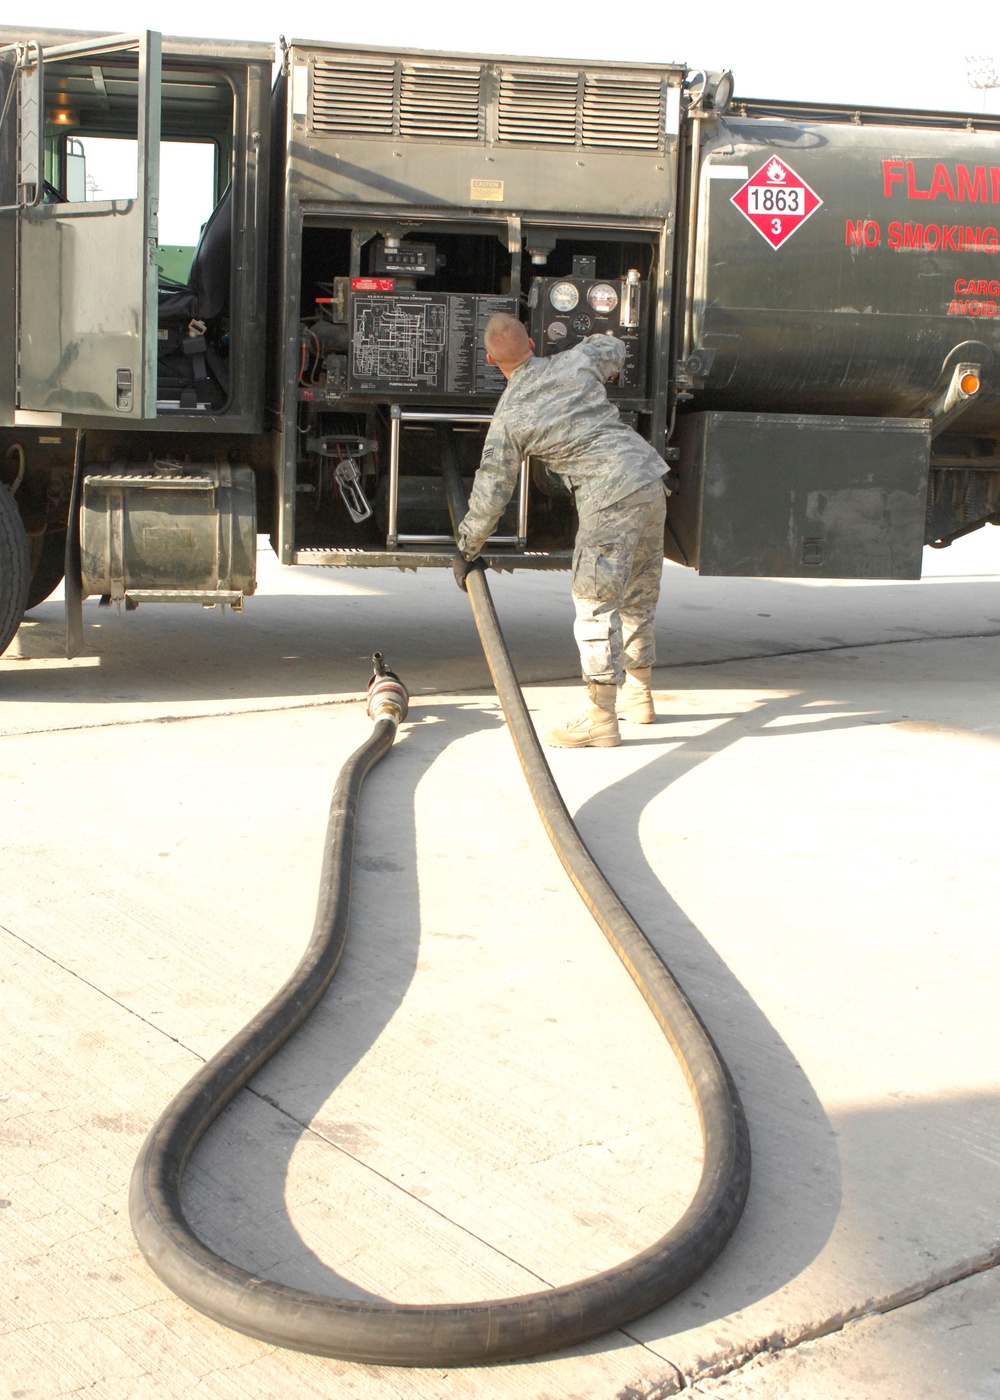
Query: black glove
[{"x": 462, "y": 568}]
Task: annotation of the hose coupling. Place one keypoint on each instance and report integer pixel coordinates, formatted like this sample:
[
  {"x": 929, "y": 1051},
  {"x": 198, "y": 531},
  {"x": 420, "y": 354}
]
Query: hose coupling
[{"x": 387, "y": 695}]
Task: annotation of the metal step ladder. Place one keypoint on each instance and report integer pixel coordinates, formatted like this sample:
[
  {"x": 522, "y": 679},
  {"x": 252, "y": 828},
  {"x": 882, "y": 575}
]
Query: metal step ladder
[{"x": 398, "y": 417}]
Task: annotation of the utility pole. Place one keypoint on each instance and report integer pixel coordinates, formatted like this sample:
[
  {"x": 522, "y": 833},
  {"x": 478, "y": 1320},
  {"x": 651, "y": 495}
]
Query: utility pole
[{"x": 982, "y": 74}]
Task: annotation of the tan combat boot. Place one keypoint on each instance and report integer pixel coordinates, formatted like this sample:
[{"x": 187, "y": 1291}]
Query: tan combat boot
[
  {"x": 635, "y": 699},
  {"x": 596, "y": 728}
]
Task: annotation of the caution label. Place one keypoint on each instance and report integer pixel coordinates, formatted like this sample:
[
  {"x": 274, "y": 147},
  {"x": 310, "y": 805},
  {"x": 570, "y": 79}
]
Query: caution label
[{"x": 486, "y": 189}]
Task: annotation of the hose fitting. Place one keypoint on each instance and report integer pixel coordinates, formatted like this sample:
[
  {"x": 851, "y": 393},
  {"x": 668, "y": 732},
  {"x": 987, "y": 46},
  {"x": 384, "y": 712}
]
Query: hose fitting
[{"x": 387, "y": 695}]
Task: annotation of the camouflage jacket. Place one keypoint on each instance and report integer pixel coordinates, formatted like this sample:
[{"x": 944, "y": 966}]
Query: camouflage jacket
[{"x": 557, "y": 411}]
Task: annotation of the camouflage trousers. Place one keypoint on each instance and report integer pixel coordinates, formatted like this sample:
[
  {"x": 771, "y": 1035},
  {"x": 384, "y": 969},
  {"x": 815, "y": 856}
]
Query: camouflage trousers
[{"x": 617, "y": 564}]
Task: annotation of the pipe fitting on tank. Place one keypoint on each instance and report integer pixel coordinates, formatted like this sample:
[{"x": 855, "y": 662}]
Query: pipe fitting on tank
[{"x": 388, "y": 697}]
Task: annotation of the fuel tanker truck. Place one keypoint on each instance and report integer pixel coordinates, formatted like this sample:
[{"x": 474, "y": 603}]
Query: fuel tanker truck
[{"x": 808, "y": 296}]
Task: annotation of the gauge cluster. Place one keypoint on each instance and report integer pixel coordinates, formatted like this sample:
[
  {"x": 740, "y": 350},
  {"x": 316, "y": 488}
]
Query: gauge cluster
[{"x": 565, "y": 310}]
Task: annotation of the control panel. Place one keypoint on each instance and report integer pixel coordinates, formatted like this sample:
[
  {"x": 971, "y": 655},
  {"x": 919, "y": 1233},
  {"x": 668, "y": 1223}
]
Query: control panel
[
  {"x": 565, "y": 310},
  {"x": 427, "y": 343}
]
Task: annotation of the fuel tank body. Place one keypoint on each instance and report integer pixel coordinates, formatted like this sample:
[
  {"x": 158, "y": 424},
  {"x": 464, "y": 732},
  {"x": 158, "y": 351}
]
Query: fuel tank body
[{"x": 843, "y": 268}]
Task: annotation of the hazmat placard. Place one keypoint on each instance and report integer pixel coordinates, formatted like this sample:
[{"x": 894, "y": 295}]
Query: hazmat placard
[{"x": 776, "y": 201}]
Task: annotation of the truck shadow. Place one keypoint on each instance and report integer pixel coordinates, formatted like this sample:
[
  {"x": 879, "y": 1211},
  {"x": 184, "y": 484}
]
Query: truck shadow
[
  {"x": 282, "y": 648},
  {"x": 302, "y": 634}
]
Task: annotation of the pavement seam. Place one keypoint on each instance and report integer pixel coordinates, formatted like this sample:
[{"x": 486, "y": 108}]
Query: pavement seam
[
  {"x": 472, "y": 690},
  {"x": 315, "y": 1132},
  {"x": 772, "y": 1344},
  {"x": 395, "y": 1185},
  {"x": 659, "y": 1391},
  {"x": 838, "y": 646},
  {"x": 184, "y": 719},
  {"x": 775, "y": 1344},
  {"x": 71, "y": 972},
  {"x": 654, "y": 1390}
]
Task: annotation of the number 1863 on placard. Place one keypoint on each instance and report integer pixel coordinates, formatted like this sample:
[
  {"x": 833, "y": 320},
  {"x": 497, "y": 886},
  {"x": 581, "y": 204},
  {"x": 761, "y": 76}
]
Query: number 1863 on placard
[{"x": 770, "y": 201}]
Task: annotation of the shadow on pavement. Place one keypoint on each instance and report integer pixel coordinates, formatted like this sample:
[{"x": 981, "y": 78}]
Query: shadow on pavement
[
  {"x": 379, "y": 967},
  {"x": 763, "y": 1065},
  {"x": 245, "y": 1217}
]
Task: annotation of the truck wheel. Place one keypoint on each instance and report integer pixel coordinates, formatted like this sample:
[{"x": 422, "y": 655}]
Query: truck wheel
[
  {"x": 15, "y": 568},
  {"x": 47, "y": 565}
]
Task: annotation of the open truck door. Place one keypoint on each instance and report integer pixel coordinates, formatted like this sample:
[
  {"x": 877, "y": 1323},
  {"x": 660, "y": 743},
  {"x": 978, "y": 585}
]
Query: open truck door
[
  {"x": 87, "y": 266},
  {"x": 133, "y": 283}
]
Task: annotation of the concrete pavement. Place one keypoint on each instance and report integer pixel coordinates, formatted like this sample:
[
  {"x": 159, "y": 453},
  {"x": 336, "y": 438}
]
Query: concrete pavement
[
  {"x": 482, "y": 1101},
  {"x": 940, "y": 1347}
]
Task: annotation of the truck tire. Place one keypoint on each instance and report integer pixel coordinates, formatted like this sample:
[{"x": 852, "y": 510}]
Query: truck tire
[
  {"x": 15, "y": 568},
  {"x": 47, "y": 566}
]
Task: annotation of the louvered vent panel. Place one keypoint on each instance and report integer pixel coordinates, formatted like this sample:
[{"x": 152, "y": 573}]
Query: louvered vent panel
[
  {"x": 538, "y": 107},
  {"x": 622, "y": 112},
  {"x": 353, "y": 97},
  {"x": 438, "y": 101}
]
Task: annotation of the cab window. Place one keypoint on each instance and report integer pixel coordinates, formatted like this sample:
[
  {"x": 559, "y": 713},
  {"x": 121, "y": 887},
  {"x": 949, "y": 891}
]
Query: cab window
[{"x": 99, "y": 168}]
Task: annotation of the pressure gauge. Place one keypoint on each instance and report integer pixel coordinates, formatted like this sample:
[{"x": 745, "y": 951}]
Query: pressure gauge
[
  {"x": 603, "y": 298},
  {"x": 564, "y": 296}
]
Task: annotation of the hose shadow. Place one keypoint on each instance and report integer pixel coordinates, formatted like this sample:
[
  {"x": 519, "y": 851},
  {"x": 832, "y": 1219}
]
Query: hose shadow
[
  {"x": 238, "y": 1189},
  {"x": 795, "y": 1191}
]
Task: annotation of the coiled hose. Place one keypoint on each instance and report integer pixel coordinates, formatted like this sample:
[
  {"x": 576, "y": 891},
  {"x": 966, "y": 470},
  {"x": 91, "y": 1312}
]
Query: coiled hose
[{"x": 441, "y": 1334}]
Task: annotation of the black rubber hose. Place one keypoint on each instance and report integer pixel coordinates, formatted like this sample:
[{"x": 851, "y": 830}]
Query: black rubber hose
[{"x": 441, "y": 1334}]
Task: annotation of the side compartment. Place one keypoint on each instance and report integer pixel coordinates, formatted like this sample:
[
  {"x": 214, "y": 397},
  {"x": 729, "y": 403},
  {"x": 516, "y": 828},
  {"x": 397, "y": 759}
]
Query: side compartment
[
  {"x": 424, "y": 192},
  {"x": 800, "y": 495}
]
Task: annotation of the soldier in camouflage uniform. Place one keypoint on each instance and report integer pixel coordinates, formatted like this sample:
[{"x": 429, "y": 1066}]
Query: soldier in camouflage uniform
[{"x": 557, "y": 411}]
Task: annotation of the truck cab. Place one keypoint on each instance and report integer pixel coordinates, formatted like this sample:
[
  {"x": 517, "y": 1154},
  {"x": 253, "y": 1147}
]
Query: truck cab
[
  {"x": 139, "y": 178},
  {"x": 233, "y": 315}
]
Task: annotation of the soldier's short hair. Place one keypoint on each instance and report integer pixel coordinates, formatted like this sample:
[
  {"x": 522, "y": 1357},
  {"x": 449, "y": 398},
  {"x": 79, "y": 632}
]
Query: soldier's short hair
[{"x": 504, "y": 336}]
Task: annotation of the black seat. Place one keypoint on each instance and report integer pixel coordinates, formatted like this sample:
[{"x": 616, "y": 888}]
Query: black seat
[
  {"x": 193, "y": 320},
  {"x": 206, "y": 295}
]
